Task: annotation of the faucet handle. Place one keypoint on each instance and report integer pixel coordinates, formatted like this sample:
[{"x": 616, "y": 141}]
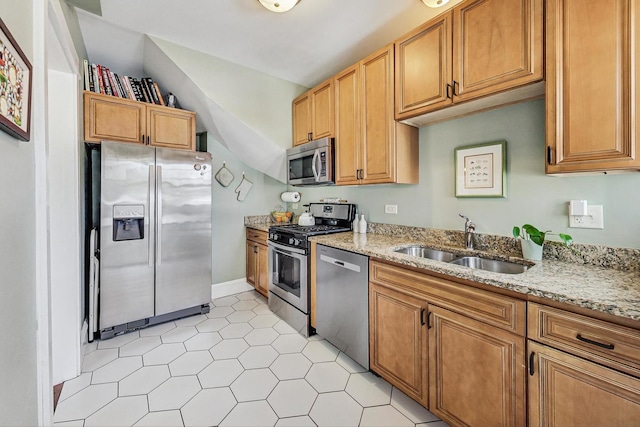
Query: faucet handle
[{"x": 462, "y": 216}]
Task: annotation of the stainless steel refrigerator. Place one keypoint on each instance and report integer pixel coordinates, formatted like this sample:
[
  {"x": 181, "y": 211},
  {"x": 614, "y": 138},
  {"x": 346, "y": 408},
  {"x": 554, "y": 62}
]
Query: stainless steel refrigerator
[{"x": 155, "y": 236}]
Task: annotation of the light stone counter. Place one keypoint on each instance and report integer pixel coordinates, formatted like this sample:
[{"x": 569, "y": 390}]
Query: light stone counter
[{"x": 608, "y": 290}]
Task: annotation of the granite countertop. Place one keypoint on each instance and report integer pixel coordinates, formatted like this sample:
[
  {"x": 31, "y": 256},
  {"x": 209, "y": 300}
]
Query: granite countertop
[{"x": 608, "y": 290}]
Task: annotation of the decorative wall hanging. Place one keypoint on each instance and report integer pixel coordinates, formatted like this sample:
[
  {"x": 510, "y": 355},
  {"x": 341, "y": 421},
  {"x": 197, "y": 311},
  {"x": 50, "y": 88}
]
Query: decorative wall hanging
[
  {"x": 15, "y": 87},
  {"x": 480, "y": 170},
  {"x": 224, "y": 175},
  {"x": 243, "y": 188}
]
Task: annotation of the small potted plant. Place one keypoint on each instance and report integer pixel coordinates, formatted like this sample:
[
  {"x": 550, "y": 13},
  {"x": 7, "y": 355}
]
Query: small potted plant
[{"x": 533, "y": 239}]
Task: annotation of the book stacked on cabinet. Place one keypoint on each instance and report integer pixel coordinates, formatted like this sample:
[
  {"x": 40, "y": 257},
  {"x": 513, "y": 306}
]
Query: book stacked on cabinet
[{"x": 100, "y": 79}]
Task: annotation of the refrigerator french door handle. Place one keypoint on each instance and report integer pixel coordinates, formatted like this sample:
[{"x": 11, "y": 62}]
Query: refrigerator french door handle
[
  {"x": 159, "y": 216},
  {"x": 151, "y": 218}
]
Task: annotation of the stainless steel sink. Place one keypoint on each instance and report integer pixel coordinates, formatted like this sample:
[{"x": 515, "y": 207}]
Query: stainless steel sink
[
  {"x": 493, "y": 265},
  {"x": 422, "y": 252}
]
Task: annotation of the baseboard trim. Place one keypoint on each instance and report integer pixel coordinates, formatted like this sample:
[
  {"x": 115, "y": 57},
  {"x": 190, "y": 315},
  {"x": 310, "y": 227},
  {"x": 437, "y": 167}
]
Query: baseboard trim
[{"x": 223, "y": 289}]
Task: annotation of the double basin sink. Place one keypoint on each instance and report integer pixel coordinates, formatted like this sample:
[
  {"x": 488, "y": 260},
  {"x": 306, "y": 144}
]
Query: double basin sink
[{"x": 475, "y": 262}]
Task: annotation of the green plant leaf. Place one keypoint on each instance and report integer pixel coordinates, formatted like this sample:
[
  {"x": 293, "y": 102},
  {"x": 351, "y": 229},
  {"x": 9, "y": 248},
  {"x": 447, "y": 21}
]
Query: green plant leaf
[
  {"x": 516, "y": 232},
  {"x": 566, "y": 239}
]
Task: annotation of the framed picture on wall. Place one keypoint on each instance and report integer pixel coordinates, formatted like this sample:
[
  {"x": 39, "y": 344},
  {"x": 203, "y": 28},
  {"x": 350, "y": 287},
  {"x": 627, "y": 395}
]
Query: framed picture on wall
[
  {"x": 15, "y": 87},
  {"x": 480, "y": 170}
]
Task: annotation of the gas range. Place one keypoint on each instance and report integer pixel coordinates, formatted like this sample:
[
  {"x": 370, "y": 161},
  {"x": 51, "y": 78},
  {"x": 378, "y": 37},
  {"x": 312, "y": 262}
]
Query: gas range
[{"x": 330, "y": 218}]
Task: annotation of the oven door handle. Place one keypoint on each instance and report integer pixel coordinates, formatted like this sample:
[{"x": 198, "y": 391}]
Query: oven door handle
[
  {"x": 285, "y": 250},
  {"x": 314, "y": 169},
  {"x": 291, "y": 254}
]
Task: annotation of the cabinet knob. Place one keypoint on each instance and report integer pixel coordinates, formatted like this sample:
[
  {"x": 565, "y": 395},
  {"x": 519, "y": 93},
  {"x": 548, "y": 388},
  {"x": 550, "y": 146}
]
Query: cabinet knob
[
  {"x": 549, "y": 155},
  {"x": 309, "y": 136},
  {"x": 455, "y": 88}
]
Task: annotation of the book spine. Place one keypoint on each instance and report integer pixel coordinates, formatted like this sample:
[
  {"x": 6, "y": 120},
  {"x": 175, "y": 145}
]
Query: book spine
[
  {"x": 138, "y": 88},
  {"x": 112, "y": 83},
  {"x": 127, "y": 86},
  {"x": 96, "y": 82},
  {"x": 87, "y": 82},
  {"x": 121, "y": 88},
  {"x": 157, "y": 88},
  {"x": 145, "y": 92},
  {"x": 152, "y": 90},
  {"x": 105, "y": 80},
  {"x": 103, "y": 89}
]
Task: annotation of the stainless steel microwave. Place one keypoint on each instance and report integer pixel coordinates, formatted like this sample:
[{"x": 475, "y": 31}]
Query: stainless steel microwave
[{"x": 311, "y": 163}]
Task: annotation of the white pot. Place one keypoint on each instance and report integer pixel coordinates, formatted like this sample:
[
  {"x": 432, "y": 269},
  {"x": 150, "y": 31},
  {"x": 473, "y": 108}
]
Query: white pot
[{"x": 531, "y": 250}]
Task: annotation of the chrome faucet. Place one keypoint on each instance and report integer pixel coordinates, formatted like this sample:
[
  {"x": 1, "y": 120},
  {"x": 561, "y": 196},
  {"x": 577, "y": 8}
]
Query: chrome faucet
[{"x": 469, "y": 230}]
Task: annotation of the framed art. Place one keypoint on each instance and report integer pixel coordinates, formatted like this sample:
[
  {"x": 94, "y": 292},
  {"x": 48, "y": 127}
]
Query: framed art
[
  {"x": 481, "y": 170},
  {"x": 15, "y": 87}
]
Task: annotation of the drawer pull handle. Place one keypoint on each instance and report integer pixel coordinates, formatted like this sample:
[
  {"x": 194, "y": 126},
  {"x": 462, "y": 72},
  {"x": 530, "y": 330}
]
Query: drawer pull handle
[
  {"x": 599, "y": 344},
  {"x": 531, "y": 366}
]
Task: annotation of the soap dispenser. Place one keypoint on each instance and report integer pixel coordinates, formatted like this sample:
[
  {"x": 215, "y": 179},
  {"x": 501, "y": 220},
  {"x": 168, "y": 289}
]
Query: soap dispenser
[
  {"x": 356, "y": 224},
  {"x": 362, "y": 226}
]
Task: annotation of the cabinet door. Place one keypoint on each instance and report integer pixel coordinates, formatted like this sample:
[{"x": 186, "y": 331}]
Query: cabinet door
[
  {"x": 113, "y": 119},
  {"x": 322, "y": 110},
  {"x": 302, "y": 119},
  {"x": 252, "y": 263},
  {"x": 423, "y": 68},
  {"x": 591, "y": 95},
  {"x": 398, "y": 340},
  {"x": 497, "y": 45},
  {"x": 262, "y": 270},
  {"x": 376, "y": 115},
  {"x": 347, "y": 147},
  {"x": 476, "y": 372},
  {"x": 566, "y": 390},
  {"x": 171, "y": 128}
]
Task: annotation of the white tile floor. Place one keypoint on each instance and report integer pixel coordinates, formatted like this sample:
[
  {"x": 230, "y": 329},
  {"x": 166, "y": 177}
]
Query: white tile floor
[{"x": 239, "y": 365}]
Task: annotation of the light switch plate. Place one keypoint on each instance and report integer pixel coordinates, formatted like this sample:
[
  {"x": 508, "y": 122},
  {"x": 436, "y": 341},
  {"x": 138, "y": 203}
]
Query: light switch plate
[{"x": 595, "y": 219}]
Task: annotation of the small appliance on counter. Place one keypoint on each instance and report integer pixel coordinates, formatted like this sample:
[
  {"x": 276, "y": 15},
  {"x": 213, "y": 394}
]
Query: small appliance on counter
[
  {"x": 290, "y": 261},
  {"x": 306, "y": 218}
]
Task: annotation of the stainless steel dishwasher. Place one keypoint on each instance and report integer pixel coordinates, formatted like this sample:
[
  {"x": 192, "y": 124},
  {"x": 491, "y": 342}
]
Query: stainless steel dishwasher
[{"x": 342, "y": 301}]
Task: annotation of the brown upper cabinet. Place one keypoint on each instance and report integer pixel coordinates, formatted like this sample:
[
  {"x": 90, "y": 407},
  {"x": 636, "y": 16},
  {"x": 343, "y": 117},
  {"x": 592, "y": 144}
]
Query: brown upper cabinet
[
  {"x": 371, "y": 147},
  {"x": 592, "y": 89},
  {"x": 116, "y": 119},
  {"x": 477, "y": 49},
  {"x": 313, "y": 114}
]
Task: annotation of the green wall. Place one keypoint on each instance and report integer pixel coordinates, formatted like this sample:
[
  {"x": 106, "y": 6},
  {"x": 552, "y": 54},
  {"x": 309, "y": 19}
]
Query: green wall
[
  {"x": 18, "y": 364},
  {"x": 532, "y": 196}
]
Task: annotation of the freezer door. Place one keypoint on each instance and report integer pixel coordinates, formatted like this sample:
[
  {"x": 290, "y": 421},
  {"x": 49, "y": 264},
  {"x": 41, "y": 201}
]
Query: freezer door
[
  {"x": 183, "y": 232},
  {"x": 127, "y": 243}
]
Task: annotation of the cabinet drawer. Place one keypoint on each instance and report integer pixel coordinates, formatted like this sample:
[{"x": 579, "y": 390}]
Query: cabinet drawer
[
  {"x": 492, "y": 308},
  {"x": 257, "y": 236},
  {"x": 598, "y": 340}
]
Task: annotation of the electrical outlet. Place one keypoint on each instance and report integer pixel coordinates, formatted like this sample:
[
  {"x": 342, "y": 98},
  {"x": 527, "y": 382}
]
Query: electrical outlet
[
  {"x": 595, "y": 219},
  {"x": 391, "y": 209}
]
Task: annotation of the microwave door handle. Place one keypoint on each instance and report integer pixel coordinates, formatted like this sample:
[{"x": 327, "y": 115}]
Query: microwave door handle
[{"x": 316, "y": 157}]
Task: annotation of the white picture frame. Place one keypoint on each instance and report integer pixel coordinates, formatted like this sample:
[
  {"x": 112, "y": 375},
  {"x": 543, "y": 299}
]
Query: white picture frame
[{"x": 480, "y": 170}]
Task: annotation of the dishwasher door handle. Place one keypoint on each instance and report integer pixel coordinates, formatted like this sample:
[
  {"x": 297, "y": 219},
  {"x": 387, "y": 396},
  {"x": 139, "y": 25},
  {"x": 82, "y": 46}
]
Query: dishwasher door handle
[{"x": 340, "y": 263}]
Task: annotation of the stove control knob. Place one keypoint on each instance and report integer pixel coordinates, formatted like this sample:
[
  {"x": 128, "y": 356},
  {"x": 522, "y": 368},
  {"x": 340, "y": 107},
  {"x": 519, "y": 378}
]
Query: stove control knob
[
  {"x": 296, "y": 242},
  {"x": 292, "y": 241}
]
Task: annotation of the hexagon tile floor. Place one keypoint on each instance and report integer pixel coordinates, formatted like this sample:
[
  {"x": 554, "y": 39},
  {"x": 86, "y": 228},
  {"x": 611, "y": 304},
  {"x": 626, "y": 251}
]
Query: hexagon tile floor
[{"x": 239, "y": 365}]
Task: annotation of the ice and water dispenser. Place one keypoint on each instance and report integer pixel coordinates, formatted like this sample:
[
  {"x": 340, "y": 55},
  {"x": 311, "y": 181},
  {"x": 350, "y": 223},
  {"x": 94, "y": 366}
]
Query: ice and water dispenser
[{"x": 128, "y": 222}]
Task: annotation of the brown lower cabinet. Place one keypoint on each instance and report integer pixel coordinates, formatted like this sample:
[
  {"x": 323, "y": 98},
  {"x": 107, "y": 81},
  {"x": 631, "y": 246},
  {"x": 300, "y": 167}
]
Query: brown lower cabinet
[
  {"x": 257, "y": 260},
  {"x": 465, "y": 363},
  {"x": 565, "y": 390},
  {"x": 476, "y": 372},
  {"x": 398, "y": 340}
]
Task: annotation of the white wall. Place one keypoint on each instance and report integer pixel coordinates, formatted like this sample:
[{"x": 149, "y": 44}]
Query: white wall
[
  {"x": 18, "y": 328},
  {"x": 228, "y": 233},
  {"x": 532, "y": 196},
  {"x": 65, "y": 227}
]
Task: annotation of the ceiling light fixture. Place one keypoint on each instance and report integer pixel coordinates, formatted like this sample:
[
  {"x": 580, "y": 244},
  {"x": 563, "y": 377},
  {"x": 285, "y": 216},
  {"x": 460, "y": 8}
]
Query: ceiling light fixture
[
  {"x": 283, "y": 5},
  {"x": 435, "y": 3}
]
